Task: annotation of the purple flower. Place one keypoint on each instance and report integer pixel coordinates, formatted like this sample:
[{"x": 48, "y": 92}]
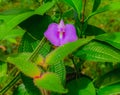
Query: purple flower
[{"x": 59, "y": 34}]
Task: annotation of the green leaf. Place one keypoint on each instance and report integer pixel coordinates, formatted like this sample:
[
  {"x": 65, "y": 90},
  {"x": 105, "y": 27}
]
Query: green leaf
[
  {"x": 35, "y": 27},
  {"x": 109, "y": 78},
  {"x": 93, "y": 30},
  {"x": 60, "y": 70},
  {"x": 51, "y": 82},
  {"x": 96, "y": 5},
  {"x": 76, "y": 4},
  {"x": 110, "y": 90},
  {"x": 21, "y": 90},
  {"x": 17, "y": 32},
  {"x": 96, "y": 51},
  {"x": 22, "y": 63},
  {"x": 17, "y": 20},
  {"x": 109, "y": 7},
  {"x": 111, "y": 38},
  {"x": 62, "y": 51},
  {"x": 3, "y": 71},
  {"x": 30, "y": 87},
  {"x": 45, "y": 49},
  {"x": 45, "y": 7},
  {"x": 81, "y": 86}
]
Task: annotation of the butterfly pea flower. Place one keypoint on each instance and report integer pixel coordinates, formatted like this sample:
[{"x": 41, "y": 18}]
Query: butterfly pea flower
[{"x": 60, "y": 34}]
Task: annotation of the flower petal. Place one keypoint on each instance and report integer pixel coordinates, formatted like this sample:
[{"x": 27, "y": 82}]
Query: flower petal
[
  {"x": 51, "y": 34},
  {"x": 70, "y": 34}
]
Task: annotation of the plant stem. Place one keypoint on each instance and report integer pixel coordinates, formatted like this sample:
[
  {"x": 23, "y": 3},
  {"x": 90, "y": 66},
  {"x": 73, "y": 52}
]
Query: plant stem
[
  {"x": 83, "y": 12},
  {"x": 11, "y": 83},
  {"x": 36, "y": 51},
  {"x": 83, "y": 17}
]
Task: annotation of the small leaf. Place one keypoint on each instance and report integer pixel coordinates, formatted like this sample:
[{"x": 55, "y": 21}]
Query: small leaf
[
  {"x": 110, "y": 90},
  {"x": 51, "y": 82},
  {"x": 81, "y": 86},
  {"x": 96, "y": 51},
  {"x": 111, "y": 38},
  {"x": 76, "y": 4},
  {"x": 61, "y": 52},
  {"x": 22, "y": 63}
]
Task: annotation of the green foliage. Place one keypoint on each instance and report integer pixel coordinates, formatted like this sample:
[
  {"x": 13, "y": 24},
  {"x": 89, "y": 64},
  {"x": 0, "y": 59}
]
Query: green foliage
[
  {"x": 30, "y": 86},
  {"x": 109, "y": 7},
  {"x": 21, "y": 90},
  {"x": 61, "y": 52},
  {"x": 59, "y": 68},
  {"x": 96, "y": 51},
  {"x": 21, "y": 62},
  {"x": 96, "y": 5},
  {"x": 111, "y": 38},
  {"x": 45, "y": 7},
  {"x": 3, "y": 71},
  {"x": 110, "y": 78},
  {"x": 93, "y": 30},
  {"x": 81, "y": 86},
  {"x": 46, "y": 69},
  {"x": 108, "y": 90},
  {"x": 50, "y": 81},
  {"x": 76, "y": 4}
]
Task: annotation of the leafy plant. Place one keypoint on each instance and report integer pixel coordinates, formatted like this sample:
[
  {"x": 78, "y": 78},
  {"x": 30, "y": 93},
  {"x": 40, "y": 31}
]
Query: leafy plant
[{"x": 39, "y": 68}]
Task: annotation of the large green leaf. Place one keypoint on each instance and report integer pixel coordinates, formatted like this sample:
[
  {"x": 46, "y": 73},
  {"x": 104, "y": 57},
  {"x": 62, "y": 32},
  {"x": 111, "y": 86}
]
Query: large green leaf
[
  {"x": 76, "y": 4},
  {"x": 81, "y": 86},
  {"x": 110, "y": 90},
  {"x": 22, "y": 63},
  {"x": 111, "y": 38},
  {"x": 51, "y": 82},
  {"x": 109, "y": 7},
  {"x": 96, "y": 5},
  {"x": 61, "y": 52},
  {"x": 96, "y": 51}
]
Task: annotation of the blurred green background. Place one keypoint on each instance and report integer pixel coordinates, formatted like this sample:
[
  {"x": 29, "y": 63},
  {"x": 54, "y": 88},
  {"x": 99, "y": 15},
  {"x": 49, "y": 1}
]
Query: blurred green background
[{"x": 109, "y": 21}]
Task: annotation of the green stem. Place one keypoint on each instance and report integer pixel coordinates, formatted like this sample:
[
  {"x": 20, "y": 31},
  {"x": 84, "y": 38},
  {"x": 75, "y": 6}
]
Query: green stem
[
  {"x": 36, "y": 51},
  {"x": 83, "y": 12},
  {"x": 83, "y": 17},
  {"x": 11, "y": 83}
]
